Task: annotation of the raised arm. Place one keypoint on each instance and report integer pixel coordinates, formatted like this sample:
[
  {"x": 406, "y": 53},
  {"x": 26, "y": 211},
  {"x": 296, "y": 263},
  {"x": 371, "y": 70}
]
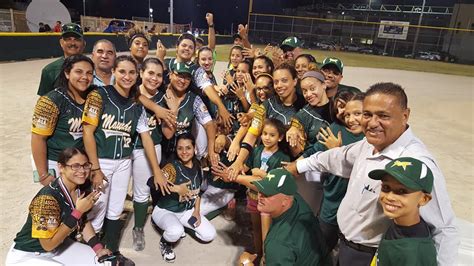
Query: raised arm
[{"x": 211, "y": 36}]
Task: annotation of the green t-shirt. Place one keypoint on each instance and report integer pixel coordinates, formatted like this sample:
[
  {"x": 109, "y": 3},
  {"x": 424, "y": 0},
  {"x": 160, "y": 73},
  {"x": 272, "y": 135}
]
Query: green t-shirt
[
  {"x": 406, "y": 245},
  {"x": 335, "y": 187},
  {"x": 295, "y": 238},
  {"x": 58, "y": 117},
  {"x": 49, "y": 75}
]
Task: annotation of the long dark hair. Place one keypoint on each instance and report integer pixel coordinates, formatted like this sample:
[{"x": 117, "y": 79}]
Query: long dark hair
[
  {"x": 66, "y": 154},
  {"x": 281, "y": 128},
  {"x": 62, "y": 81}
]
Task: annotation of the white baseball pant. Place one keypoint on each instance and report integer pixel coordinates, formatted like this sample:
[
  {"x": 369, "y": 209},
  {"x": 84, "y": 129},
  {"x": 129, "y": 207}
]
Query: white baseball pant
[
  {"x": 141, "y": 172},
  {"x": 200, "y": 134},
  {"x": 112, "y": 200},
  {"x": 69, "y": 252},
  {"x": 172, "y": 224},
  {"x": 215, "y": 198}
]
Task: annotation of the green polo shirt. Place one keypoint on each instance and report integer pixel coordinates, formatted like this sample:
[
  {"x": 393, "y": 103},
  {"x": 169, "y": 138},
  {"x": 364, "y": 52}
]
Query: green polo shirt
[
  {"x": 294, "y": 238},
  {"x": 49, "y": 75}
]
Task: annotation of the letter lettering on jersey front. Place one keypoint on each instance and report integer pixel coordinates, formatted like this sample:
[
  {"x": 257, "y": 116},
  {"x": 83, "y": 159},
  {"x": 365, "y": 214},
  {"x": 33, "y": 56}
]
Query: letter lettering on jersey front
[
  {"x": 75, "y": 127},
  {"x": 115, "y": 128},
  {"x": 181, "y": 126}
]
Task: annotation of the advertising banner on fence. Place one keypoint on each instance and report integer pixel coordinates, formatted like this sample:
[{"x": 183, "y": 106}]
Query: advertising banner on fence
[{"x": 393, "y": 29}]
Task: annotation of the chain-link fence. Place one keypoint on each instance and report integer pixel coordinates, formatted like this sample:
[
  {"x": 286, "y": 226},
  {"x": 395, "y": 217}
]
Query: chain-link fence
[
  {"x": 12, "y": 20},
  {"x": 341, "y": 34},
  {"x": 99, "y": 24}
]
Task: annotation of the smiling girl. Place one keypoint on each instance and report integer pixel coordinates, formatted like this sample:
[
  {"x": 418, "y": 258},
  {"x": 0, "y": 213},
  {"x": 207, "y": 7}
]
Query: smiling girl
[{"x": 112, "y": 121}]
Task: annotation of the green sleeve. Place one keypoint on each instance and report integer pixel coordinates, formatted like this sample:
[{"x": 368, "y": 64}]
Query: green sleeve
[
  {"x": 46, "y": 83},
  {"x": 279, "y": 254}
]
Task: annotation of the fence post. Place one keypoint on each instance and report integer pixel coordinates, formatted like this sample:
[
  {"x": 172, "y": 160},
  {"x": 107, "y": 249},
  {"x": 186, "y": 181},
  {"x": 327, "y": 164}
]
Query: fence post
[
  {"x": 292, "y": 25},
  {"x": 273, "y": 28},
  {"x": 12, "y": 18}
]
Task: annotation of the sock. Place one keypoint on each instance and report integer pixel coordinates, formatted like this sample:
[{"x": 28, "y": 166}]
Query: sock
[
  {"x": 112, "y": 234},
  {"x": 139, "y": 212}
]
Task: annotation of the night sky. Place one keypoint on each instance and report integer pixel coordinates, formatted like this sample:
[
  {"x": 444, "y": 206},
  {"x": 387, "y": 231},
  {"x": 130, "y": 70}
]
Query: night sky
[{"x": 226, "y": 12}]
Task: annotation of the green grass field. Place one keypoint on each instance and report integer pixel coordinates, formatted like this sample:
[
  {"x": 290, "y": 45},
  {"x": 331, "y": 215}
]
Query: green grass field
[{"x": 375, "y": 61}]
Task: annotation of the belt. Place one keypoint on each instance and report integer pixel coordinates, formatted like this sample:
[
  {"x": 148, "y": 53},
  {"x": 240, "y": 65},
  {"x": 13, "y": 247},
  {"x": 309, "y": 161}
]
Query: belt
[{"x": 356, "y": 246}]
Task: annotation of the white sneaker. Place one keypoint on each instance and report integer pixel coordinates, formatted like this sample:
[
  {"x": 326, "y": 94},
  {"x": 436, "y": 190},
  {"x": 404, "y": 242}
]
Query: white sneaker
[{"x": 167, "y": 252}]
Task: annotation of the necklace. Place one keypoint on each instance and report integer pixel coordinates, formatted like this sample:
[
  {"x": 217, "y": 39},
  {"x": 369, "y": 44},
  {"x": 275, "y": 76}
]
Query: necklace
[{"x": 71, "y": 203}]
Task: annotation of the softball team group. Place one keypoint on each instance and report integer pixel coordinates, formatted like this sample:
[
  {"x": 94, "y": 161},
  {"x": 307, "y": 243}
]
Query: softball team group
[{"x": 188, "y": 144}]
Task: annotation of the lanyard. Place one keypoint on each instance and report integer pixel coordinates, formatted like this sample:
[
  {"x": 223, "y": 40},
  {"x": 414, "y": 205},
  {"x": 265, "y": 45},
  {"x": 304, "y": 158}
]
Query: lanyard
[{"x": 71, "y": 203}]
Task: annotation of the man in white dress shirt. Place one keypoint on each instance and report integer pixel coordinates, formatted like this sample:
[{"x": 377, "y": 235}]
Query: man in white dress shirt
[{"x": 388, "y": 136}]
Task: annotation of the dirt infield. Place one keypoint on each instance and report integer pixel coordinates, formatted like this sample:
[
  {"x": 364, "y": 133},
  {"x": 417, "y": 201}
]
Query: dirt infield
[{"x": 441, "y": 116}]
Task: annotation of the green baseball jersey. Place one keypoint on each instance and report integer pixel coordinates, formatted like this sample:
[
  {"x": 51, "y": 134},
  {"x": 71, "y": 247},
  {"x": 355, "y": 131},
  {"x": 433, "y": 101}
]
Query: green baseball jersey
[
  {"x": 153, "y": 124},
  {"x": 334, "y": 187},
  {"x": 219, "y": 183},
  {"x": 58, "y": 117},
  {"x": 294, "y": 238},
  {"x": 309, "y": 120},
  {"x": 46, "y": 212},
  {"x": 418, "y": 249},
  {"x": 191, "y": 107},
  {"x": 49, "y": 75},
  {"x": 274, "y": 108},
  {"x": 177, "y": 173},
  {"x": 119, "y": 120}
]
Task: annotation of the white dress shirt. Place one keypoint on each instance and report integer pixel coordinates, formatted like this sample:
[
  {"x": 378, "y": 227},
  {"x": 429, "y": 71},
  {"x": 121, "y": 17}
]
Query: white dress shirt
[{"x": 360, "y": 216}]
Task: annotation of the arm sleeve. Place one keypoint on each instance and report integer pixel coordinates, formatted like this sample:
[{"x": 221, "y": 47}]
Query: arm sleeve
[
  {"x": 278, "y": 254},
  {"x": 257, "y": 121},
  {"x": 92, "y": 108},
  {"x": 201, "y": 80},
  {"x": 337, "y": 161},
  {"x": 440, "y": 215},
  {"x": 45, "y": 117},
  {"x": 142, "y": 125},
  {"x": 45, "y": 216},
  {"x": 201, "y": 112}
]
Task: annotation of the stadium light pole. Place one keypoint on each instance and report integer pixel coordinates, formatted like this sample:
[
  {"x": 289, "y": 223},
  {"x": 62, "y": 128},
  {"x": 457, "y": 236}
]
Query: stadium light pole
[
  {"x": 418, "y": 30},
  {"x": 84, "y": 7},
  {"x": 171, "y": 17}
]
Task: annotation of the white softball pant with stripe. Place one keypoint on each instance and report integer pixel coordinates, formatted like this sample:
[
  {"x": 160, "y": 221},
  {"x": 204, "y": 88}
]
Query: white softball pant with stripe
[
  {"x": 112, "y": 200},
  {"x": 141, "y": 172},
  {"x": 215, "y": 198},
  {"x": 173, "y": 223},
  {"x": 69, "y": 252},
  {"x": 200, "y": 134}
]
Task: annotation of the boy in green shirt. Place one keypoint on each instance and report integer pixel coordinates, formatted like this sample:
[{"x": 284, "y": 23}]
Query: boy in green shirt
[{"x": 406, "y": 186}]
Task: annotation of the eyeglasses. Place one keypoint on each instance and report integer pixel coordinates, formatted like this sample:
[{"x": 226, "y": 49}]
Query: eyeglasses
[
  {"x": 265, "y": 88},
  {"x": 185, "y": 77},
  {"x": 76, "y": 167}
]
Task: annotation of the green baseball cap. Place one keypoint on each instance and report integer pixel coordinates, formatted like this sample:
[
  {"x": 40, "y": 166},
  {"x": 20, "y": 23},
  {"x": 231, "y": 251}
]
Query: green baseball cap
[
  {"x": 291, "y": 43},
  {"x": 277, "y": 181},
  {"x": 332, "y": 61},
  {"x": 182, "y": 68},
  {"x": 72, "y": 29},
  {"x": 412, "y": 173}
]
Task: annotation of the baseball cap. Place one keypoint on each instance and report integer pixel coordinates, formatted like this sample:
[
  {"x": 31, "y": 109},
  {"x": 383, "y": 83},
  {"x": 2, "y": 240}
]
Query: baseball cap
[
  {"x": 333, "y": 61},
  {"x": 181, "y": 68},
  {"x": 72, "y": 29},
  {"x": 290, "y": 43},
  {"x": 412, "y": 173},
  {"x": 277, "y": 181},
  {"x": 313, "y": 74},
  {"x": 236, "y": 36}
]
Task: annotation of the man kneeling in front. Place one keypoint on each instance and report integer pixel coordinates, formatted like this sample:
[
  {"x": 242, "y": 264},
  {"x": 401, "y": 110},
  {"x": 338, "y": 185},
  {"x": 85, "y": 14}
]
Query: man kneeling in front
[{"x": 294, "y": 237}]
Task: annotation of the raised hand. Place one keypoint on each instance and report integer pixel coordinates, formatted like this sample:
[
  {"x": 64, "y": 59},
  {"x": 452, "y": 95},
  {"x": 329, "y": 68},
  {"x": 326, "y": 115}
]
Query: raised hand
[{"x": 328, "y": 138}]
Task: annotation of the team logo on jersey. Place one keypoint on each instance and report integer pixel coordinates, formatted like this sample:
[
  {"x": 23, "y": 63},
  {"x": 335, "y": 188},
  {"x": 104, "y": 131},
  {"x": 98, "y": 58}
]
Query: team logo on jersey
[
  {"x": 152, "y": 122},
  {"x": 182, "y": 126},
  {"x": 115, "y": 128},
  {"x": 75, "y": 127}
]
